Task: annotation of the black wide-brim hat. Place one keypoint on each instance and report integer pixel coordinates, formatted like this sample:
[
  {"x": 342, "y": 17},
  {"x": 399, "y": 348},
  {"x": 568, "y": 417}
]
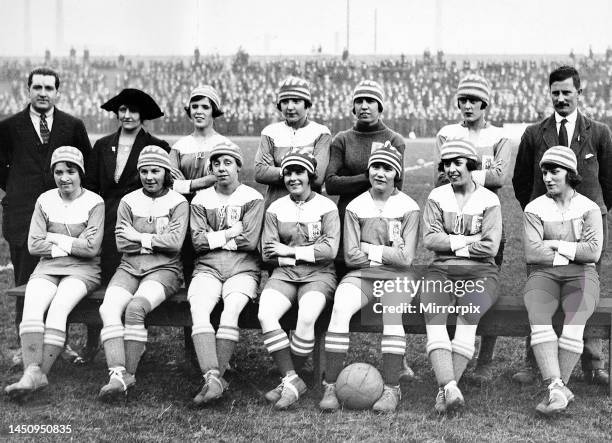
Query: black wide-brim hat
[{"x": 149, "y": 110}]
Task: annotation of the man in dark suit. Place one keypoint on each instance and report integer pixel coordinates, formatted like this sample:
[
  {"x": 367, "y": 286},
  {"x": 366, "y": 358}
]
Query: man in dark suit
[
  {"x": 27, "y": 140},
  {"x": 591, "y": 141}
]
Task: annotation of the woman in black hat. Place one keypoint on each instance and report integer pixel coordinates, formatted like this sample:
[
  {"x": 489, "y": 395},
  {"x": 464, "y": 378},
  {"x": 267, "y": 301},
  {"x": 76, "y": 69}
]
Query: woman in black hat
[{"x": 111, "y": 168}]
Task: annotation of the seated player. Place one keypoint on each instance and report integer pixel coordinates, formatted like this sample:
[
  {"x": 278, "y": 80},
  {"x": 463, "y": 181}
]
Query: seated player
[
  {"x": 66, "y": 233},
  {"x": 563, "y": 241},
  {"x": 300, "y": 239},
  {"x": 462, "y": 225},
  {"x": 151, "y": 226},
  {"x": 381, "y": 229},
  {"x": 225, "y": 224}
]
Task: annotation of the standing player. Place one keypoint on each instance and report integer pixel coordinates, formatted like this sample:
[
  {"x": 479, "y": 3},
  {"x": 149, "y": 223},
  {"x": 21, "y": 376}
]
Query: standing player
[
  {"x": 462, "y": 225},
  {"x": 300, "y": 240},
  {"x": 226, "y": 221},
  {"x": 591, "y": 142},
  {"x": 27, "y": 141},
  {"x": 296, "y": 132},
  {"x": 494, "y": 150},
  {"x": 381, "y": 235}
]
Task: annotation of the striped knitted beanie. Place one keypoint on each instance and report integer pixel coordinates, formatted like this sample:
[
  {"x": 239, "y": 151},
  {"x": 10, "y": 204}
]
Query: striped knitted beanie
[
  {"x": 303, "y": 159},
  {"x": 153, "y": 156},
  {"x": 458, "y": 148},
  {"x": 227, "y": 148},
  {"x": 474, "y": 85},
  {"x": 562, "y": 156},
  {"x": 369, "y": 89},
  {"x": 388, "y": 155},
  {"x": 68, "y": 154},
  {"x": 294, "y": 87},
  {"x": 209, "y": 92}
]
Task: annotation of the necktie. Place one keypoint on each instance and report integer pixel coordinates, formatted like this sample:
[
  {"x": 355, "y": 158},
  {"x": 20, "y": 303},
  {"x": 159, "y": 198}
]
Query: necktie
[
  {"x": 44, "y": 129},
  {"x": 563, "y": 134}
]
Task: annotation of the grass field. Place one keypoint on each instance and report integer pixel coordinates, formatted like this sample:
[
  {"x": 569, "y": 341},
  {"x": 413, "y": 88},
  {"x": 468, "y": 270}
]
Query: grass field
[{"x": 159, "y": 409}]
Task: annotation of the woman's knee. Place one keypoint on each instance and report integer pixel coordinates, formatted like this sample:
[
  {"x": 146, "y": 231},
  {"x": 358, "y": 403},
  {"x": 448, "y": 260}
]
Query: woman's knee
[{"x": 137, "y": 310}]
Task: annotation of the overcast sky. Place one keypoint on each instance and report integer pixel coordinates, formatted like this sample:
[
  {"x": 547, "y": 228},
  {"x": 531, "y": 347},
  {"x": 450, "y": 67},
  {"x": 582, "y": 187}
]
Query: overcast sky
[{"x": 162, "y": 27}]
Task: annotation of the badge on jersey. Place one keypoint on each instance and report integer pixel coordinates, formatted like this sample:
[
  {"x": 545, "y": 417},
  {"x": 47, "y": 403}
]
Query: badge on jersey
[
  {"x": 376, "y": 146},
  {"x": 487, "y": 161},
  {"x": 233, "y": 215},
  {"x": 314, "y": 231},
  {"x": 578, "y": 223},
  {"x": 395, "y": 231},
  {"x": 476, "y": 226},
  {"x": 161, "y": 223}
]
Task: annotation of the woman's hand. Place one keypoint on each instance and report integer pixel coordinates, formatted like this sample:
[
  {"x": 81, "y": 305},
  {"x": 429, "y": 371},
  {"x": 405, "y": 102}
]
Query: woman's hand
[
  {"x": 89, "y": 233},
  {"x": 267, "y": 158},
  {"x": 277, "y": 249},
  {"x": 128, "y": 232},
  {"x": 552, "y": 244},
  {"x": 235, "y": 230}
]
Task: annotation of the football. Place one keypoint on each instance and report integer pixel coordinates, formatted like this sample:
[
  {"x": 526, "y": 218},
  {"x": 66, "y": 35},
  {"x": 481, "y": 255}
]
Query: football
[{"x": 358, "y": 386}]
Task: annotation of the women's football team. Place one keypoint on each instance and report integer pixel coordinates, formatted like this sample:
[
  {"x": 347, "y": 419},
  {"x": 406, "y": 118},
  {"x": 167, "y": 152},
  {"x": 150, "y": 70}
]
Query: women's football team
[{"x": 184, "y": 217}]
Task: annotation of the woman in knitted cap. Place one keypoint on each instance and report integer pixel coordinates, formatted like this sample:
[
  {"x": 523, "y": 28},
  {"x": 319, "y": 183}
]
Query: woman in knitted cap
[
  {"x": 381, "y": 234},
  {"x": 66, "y": 233},
  {"x": 563, "y": 241},
  {"x": 226, "y": 221},
  {"x": 300, "y": 240},
  {"x": 296, "y": 132},
  {"x": 151, "y": 226},
  {"x": 494, "y": 151},
  {"x": 462, "y": 225}
]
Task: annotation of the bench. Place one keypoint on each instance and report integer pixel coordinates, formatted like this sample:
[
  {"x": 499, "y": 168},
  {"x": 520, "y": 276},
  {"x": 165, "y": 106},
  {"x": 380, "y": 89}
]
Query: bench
[{"x": 507, "y": 318}]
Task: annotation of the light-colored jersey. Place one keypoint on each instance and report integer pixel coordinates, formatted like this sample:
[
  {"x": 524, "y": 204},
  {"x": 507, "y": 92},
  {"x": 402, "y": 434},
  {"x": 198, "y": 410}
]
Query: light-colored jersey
[
  {"x": 492, "y": 146},
  {"x": 74, "y": 254},
  {"x": 211, "y": 216},
  {"x": 163, "y": 221},
  {"x": 279, "y": 138},
  {"x": 312, "y": 227},
  {"x": 391, "y": 233},
  {"x": 445, "y": 225},
  {"x": 190, "y": 157},
  {"x": 578, "y": 229}
]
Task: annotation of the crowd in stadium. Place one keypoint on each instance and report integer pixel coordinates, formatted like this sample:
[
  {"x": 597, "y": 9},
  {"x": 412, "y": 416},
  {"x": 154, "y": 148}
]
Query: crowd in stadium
[{"x": 420, "y": 91}]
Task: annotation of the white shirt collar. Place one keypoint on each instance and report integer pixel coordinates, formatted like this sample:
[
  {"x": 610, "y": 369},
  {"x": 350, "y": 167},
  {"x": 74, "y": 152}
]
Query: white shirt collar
[
  {"x": 570, "y": 118},
  {"x": 48, "y": 114}
]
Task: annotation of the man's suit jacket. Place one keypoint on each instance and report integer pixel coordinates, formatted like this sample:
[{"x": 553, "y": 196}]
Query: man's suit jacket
[
  {"x": 592, "y": 144},
  {"x": 25, "y": 170}
]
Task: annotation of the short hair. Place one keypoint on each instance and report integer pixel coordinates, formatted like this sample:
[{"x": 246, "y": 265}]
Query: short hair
[
  {"x": 72, "y": 165},
  {"x": 132, "y": 107},
  {"x": 307, "y": 103},
  {"x": 572, "y": 178},
  {"x": 44, "y": 71},
  {"x": 168, "y": 179},
  {"x": 563, "y": 73},
  {"x": 297, "y": 168},
  {"x": 215, "y": 110},
  {"x": 472, "y": 165},
  {"x": 396, "y": 179}
]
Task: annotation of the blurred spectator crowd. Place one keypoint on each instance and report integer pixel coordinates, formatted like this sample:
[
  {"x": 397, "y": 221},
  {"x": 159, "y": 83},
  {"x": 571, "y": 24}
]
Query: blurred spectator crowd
[{"x": 419, "y": 92}]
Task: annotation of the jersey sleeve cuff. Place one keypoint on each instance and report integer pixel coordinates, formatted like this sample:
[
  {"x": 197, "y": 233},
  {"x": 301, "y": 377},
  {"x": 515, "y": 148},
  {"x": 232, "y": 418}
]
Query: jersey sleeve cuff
[
  {"x": 375, "y": 253},
  {"x": 230, "y": 245},
  {"x": 567, "y": 249},
  {"x": 182, "y": 186},
  {"x": 216, "y": 239},
  {"x": 463, "y": 252},
  {"x": 56, "y": 251},
  {"x": 560, "y": 260},
  {"x": 457, "y": 242},
  {"x": 305, "y": 253},
  {"x": 146, "y": 240},
  {"x": 286, "y": 261}
]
